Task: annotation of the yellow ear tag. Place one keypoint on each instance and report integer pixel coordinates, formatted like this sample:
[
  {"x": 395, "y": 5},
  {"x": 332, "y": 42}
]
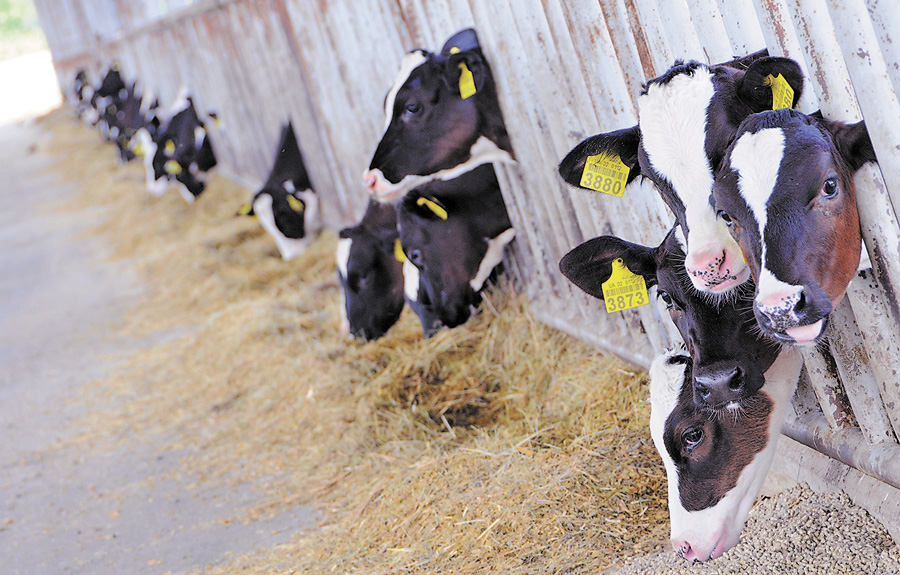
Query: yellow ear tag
[
  {"x": 782, "y": 93},
  {"x": 435, "y": 207},
  {"x": 296, "y": 205},
  {"x": 138, "y": 150},
  {"x": 398, "y": 251},
  {"x": 172, "y": 167},
  {"x": 170, "y": 148},
  {"x": 466, "y": 81},
  {"x": 605, "y": 173},
  {"x": 624, "y": 289},
  {"x": 245, "y": 209}
]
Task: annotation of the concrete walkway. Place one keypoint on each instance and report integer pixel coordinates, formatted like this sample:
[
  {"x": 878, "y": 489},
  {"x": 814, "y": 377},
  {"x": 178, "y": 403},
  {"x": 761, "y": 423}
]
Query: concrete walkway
[{"x": 70, "y": 506}]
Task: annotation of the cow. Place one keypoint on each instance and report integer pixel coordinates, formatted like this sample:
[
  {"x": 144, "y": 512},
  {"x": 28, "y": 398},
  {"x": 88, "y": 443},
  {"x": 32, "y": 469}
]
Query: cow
[
  {"x": 180, "y": 154},
  {"x": 715, "y": 461},
  {"x": 417, "y": 298},
  {"x": 442, "y": 119},
  {"x": 107, "y": 96},
  {"x": 717, "y": 404},
  {"x": 687, "y": 118},
  {"x": 728, "y": 354},
  {"x": 370, "y": 272},
  {"x": 454, "y": 232},
  {"x": 82, "y": 92},
  {"x": 786, "y": 192},
  {"x": 129, "y": 114},
  {"x": 286, "y": 205}
]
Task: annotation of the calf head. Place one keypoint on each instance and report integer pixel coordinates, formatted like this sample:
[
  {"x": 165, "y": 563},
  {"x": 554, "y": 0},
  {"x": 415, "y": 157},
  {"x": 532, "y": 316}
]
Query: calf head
[
  {"x": 715, "y": 462},
  {"x": 370, "y": 273},
  {"x": 436, "y": 128},
  {"x": 729, "y": 357},
  {"x": 454, "y": 243},
  {"x": 786, "y": 190},
  {"x": 687, "y": 118},
  {"x": 286, "y": 206}
]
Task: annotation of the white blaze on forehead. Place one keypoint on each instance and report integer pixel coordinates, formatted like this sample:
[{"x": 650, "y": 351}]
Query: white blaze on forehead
[
  {"x": 412, "y": 61},
  {"x": 410, "y": 281},
  {"x": 756, "y": 158},
  {"x": 343, "y": 255},
  {"x": 673, "y": 118},
  {"x": 492, "y": 258},
  {"x": 199, "y": 135}
]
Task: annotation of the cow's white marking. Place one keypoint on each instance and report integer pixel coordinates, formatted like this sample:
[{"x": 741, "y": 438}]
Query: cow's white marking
[
  {"x": 756, "y": 158},
  {"x": 483, "y": 151},
  {"x": 410, "y": 62},
  {"x": 714, "y": 530},
  {"x": 182, "y": 189},
  {"x": 181, "y": 102},
  {"x": 311, "y": 222},
  {"x": 492, "y": 258},
  {"x": 410, "y": 281},
  {"x": 343, "y": 255},
  {"x": 673, "y": 120},
  {"x": 289, "y": 247},
  {"x": 199, "y": 135}
]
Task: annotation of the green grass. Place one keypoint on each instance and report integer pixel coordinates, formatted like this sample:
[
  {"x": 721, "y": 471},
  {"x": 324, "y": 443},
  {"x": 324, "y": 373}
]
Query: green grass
[{"x": 20, "y": 31}]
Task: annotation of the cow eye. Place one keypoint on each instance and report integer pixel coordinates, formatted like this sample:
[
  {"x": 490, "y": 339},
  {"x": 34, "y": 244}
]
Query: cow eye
[
  {"x": 415, "y": 257},
  {"x": 692, "y": 437},
  {"x": 665, "y": 297},
  {"x": 724, "y": 215},
  {"x": 413, "y": 108},
  {"x": 830, "y": 188}
]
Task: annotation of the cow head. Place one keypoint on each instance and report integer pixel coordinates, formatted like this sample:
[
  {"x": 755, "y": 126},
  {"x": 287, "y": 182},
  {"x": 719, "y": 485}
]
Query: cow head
[
  {"x": 418, "y": 299},
  {"x": 715, "y": 462},
  {"x": 728, "y": 354},
  {"x": 687, "y": 118},
  {"x": 370, "y": 273},
  {"x": 786, "y": 191},
  {"x": 442, "y": 119}
]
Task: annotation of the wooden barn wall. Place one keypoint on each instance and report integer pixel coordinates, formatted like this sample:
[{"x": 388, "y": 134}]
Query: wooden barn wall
[{"x": 565, "y": 70}]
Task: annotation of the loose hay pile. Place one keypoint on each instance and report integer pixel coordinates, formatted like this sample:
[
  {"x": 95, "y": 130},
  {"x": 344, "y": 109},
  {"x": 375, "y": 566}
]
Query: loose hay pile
[{"x": 499, "y": 446}]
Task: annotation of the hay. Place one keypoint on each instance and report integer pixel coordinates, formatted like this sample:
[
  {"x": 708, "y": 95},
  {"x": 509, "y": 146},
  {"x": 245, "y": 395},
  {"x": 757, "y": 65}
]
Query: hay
[{"x": 499, "y": 446}]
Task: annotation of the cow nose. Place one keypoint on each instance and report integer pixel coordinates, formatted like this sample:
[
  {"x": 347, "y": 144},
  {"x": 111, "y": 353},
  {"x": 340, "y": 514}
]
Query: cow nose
[
  {"x": 719, "y": 387},
  {"x": 716, "y": 269},
  {"x": 796, "y": 308},
  {"x": 684, "y": 550},
  {"x": 370, "y": 178}
]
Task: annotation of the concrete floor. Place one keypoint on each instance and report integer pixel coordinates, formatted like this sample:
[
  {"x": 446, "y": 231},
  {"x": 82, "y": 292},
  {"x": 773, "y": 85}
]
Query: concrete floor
[{"x": 69, "y": 506}]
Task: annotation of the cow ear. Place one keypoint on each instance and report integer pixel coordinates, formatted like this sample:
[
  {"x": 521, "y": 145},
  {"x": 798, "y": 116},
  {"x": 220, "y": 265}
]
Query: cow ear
[
  {"x": 462, "y": 41},
  {"x": 852, "y": 142},
  {"x": 589, "y": 265},
  {"x": 467, "y": 72},
  {"x": 755, "y": 87},
  {"x": 347, "y": 233},
  {"x": 621, "y": 143}
]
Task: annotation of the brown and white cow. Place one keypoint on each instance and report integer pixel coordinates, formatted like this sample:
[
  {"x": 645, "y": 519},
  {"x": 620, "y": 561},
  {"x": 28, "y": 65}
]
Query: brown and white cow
[
  {"x": 442, "y": 119},
  {"x": 715, "y": 461},
  {"x": 786, "y": 191},
  {"x": 687, "y": 118}
]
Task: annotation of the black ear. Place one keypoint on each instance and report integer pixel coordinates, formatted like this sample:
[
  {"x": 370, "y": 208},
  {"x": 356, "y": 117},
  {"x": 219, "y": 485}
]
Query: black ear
[
  {"x": 473, "y": 61},
  {"x": 347, "y": 232},
  {"x": 622, "y": 143},
  {"x": 755, "y": 89},
  {"x": 463, "y": 41},
  {"x": 589, "y": 265},
  {"x": 852, "y": 142}
]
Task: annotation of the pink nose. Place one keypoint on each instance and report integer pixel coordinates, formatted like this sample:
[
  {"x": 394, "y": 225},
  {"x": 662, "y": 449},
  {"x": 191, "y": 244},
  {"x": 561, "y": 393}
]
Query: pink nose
[
  {"x": 684, "y": 550},
  {"x": 716, "y": 269},
  {"x": 371, "y": 180},
  {"x": 780, "y": 301}
]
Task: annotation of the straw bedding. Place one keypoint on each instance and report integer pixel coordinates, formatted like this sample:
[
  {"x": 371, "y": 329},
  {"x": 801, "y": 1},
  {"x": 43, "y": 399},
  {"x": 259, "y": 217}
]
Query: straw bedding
[{"x": 499, "y": 446}]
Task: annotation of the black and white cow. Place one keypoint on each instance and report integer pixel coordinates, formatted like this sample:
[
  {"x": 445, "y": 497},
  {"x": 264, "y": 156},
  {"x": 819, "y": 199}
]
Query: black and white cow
[
  {"x": 442, "y": 119},
  {"x": 716, "y": 410},
  {"x": 715, "y": 461},
  {"x": 286, "y": 205},
  {"x": 687, "y": 118},
  {"x": 453, "y": 232},
  {"x": 137, "y": 110},
  {"x": 786, "y": 191},
  {"x": 180, "y": 154},
  {"x": 370, "y": 271},
  {"x": 106, "y": 98},
  {"x": 729, "y": 355}
]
